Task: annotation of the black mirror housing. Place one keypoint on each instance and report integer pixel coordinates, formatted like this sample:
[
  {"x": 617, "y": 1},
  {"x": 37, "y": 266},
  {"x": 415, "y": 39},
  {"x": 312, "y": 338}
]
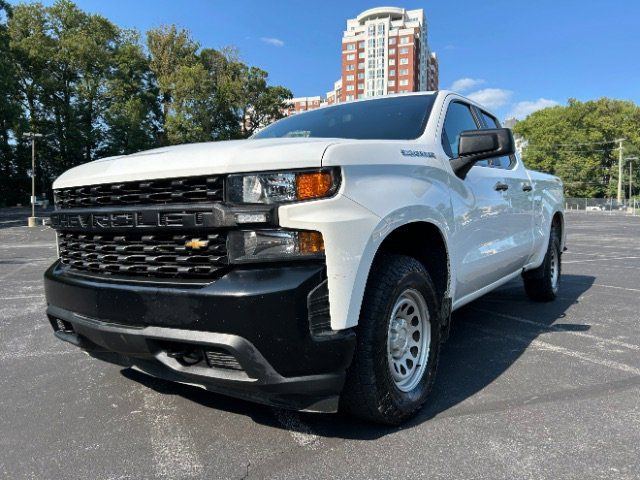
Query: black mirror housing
[{"x": 476, "y": 145}]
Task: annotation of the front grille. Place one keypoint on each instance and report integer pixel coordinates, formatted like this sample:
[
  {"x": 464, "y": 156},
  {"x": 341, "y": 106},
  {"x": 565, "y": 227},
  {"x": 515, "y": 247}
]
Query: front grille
[
  {"x": 207, "y": 188},
  {"x": 142, "y": 254}
]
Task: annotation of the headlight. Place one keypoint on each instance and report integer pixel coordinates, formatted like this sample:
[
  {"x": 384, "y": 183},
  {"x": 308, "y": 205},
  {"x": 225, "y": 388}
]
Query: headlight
[
  {"x": 273, "y": 245},
  {"x": 281, "y": 187}
]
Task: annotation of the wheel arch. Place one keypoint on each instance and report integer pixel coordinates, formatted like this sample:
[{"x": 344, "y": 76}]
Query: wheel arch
[
  {"x": 558, "y": 221},
  {"x": 420, "y": 240}
]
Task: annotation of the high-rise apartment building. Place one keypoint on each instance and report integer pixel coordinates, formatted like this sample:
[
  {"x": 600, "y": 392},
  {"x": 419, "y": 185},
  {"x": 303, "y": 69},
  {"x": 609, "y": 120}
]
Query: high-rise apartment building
[
  {"x": 384, "y": 51},
  {"x": 302, "y": 104}
]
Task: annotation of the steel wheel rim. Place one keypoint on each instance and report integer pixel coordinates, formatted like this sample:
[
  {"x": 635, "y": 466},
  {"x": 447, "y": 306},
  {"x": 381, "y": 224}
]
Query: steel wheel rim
[
  {"x": 555, "y": 270},
  {"x": 408, "y": 340}
]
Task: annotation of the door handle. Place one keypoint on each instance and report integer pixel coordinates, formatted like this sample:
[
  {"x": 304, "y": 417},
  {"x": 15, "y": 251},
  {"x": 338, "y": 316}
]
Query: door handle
[
  {"x": 527, "y": 187},
  {"x": 501, "y": 187}
]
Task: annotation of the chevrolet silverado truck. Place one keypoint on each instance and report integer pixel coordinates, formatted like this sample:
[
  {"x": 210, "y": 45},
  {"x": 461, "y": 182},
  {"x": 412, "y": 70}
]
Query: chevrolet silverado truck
[{"x": 314, "y": 266}]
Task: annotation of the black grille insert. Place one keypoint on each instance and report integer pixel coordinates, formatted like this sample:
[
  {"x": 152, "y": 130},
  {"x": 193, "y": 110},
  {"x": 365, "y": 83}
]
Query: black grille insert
[
  {"x": 142, "y": 254},
  {"x": 207, "y": 188}
]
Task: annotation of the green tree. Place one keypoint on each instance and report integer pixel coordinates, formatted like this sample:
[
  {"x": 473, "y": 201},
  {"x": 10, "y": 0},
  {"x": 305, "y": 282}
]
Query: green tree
[
  {"x": 132, "y": 116},
  {"x": 92, "y": 90},
  {"x": 179, "y": 76},
  {"x": 260, "y": 104},
  {"x": 62, "y": 56},
  {"x": 13, "y": 173},
  {"x": 577, "y": 143}
]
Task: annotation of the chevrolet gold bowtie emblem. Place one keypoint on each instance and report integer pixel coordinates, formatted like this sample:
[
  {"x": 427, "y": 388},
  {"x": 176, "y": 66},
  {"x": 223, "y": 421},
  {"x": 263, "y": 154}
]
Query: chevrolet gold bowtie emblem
[{"x": 196, "y": 243}]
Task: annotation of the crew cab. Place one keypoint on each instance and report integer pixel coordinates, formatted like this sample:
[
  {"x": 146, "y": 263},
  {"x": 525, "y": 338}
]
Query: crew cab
[{"x": 314, "y": 266}]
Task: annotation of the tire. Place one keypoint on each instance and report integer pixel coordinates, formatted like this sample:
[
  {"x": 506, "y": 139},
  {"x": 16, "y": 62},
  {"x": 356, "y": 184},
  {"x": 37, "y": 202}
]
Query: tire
[
  {"x": 543, "y": 283},
  {"x": 377, "y": 388}
]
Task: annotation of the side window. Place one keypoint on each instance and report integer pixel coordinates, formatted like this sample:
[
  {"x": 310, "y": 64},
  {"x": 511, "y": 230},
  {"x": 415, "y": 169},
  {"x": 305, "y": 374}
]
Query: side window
[
  {"x": 491, "y": 122},
  {"x": 459, "y": 118}
]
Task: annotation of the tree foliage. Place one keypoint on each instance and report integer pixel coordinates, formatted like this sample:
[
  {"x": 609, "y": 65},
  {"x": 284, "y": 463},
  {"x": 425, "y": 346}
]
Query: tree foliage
[
  {"x": 94, "y": 89},
  {"x": 578, "y": 143}
]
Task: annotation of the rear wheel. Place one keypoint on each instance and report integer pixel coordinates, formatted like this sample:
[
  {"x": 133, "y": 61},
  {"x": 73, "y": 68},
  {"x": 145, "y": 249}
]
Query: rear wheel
[
  {"x": 542, "y": 284},
  {"x": 398, "y": 343}
]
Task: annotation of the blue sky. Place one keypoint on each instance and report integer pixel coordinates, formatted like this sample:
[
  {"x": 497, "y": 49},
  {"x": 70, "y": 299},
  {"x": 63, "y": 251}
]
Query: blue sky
[{"x": 515, "y": 55}]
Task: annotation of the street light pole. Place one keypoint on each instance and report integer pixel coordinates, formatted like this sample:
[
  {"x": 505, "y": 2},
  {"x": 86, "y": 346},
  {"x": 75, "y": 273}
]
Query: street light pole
[
  {"x": 32, "y": 136},
  {"x": 630, "y": 160},
  {"x": 620, "y": 152}
]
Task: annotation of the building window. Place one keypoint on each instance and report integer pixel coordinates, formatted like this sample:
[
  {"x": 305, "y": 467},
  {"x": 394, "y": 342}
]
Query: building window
[
  {"x": 361, "y": 86},
  {"x": 392, "y": 73},
  {"x": 404, "y": 50},
  {"x": 372, "y": 29},
  {"x": 392, "y": 41},
  {"x": 360, "y": 95},
  {"x": 392, "y": 51},
  {"x": 361, "y": 66},
  {"x": 371, "y": 43},
  {"x": 392, "y": 83},
  {"x": 350, "y": 78},
  {"x": 350, "y": 88},
  {"x": 351, "y": 56},
  {"x": 404, "y": 71},
  {"x": 350, "y": 67},
  {"x": 403, "y": 83},
  {"x": 361, "y": 55},
  {"x": 404, "y": 61},
  {"x": 351, "y": 46},
  {"x": 392, "y": 61},
  {"x": 361, "y": 44},
  {"x": 404, "y": 40},
  {"x": 381, "y": 29},
  {"x": 360, "y": 76},
  {"x": 349, "y": 98}
]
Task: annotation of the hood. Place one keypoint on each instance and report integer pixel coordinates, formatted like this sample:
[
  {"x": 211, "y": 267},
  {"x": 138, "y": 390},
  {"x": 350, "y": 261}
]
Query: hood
[{"x": 200, "y": 159}]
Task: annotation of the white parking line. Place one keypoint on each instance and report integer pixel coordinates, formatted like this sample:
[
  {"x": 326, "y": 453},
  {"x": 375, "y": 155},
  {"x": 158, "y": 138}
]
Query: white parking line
[
  {"x": 555, "y": 328},
  {"x": 22, "y": 297},
  {"x": 599, "y": 259},
  {"x": 13, "y": 272},
  {"x": 540, "y": 345},
  {"x": 301, "y": 433},
  {"x": 602, "y": 286}
]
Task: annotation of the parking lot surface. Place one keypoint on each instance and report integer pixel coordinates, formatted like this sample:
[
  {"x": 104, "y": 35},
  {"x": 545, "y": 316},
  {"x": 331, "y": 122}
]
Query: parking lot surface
[{"x": 524, "y": 390}]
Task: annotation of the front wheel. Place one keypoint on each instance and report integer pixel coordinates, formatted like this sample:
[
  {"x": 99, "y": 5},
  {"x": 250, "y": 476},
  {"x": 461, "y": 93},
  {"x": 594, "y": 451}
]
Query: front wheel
[{"x": 398, "y": 343}]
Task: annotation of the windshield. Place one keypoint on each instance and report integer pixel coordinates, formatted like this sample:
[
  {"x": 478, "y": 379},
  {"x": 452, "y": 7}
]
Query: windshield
[{"x": 393, "y": 118}]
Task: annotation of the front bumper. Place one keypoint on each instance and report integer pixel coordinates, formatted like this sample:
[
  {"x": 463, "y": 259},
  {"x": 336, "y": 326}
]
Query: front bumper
[{"x": 255, "y": 319}]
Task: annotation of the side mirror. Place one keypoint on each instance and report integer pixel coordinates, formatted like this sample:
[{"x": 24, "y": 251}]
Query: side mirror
[{"x": 476, "y": 145}]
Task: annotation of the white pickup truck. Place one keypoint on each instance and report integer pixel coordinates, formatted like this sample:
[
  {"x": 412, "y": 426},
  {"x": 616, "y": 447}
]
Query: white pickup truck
[{"x": 313, "y": 266}]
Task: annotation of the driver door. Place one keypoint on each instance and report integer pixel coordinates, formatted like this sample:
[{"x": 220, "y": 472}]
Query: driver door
[{"x": 482, "y": 211}]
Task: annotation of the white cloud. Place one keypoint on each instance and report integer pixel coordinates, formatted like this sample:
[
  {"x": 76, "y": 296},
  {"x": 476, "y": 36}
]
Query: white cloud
[
  {"x": 523, "y": 109},
  {"x": 464, "y": 84},
  {"x": 491, "y": 97},
  {"x": 276, "y": 42}
]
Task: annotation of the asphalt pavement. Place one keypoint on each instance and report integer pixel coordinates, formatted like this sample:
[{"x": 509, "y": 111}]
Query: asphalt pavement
[{"x": 524, "y": 390}]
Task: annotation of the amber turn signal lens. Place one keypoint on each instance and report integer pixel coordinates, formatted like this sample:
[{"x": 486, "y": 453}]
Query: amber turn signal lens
[
  {"x": 313, "y": 185},
  {"x": 310, "y": 242}
]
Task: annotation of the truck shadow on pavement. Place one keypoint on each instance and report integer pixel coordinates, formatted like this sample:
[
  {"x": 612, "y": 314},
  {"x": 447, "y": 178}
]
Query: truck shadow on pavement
[{"x": 487, "y": 337}]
